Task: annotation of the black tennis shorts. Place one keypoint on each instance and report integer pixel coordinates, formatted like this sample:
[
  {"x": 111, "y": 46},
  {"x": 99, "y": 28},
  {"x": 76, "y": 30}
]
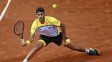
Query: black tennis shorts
[{"x": 57, "y": 39}]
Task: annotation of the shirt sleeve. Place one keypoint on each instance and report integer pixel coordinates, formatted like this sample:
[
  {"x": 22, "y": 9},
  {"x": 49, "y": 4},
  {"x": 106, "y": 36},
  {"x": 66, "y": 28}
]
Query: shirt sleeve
[
  {"x": 54, "y": 21},
  {"x": 33, "y": 27}
]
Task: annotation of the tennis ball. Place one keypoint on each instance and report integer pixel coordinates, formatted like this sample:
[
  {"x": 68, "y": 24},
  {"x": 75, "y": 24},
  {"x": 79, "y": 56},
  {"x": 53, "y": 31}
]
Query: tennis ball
[
  {"x": 28, "y": 42},
  {"x": 55, "y": 5}
]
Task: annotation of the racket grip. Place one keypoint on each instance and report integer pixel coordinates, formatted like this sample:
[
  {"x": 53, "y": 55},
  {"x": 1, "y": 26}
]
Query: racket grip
[{"x": 23, "y": 42}]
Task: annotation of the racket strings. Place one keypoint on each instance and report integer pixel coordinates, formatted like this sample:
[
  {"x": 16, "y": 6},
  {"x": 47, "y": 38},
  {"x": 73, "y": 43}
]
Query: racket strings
[{"x": 19, "y": 27}]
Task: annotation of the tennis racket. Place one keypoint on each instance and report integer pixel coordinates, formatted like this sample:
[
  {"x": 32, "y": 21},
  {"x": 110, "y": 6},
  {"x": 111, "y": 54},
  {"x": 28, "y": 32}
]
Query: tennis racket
[
  {"x": 19, "y": 28},
  {"x": 19, "y": 31}
]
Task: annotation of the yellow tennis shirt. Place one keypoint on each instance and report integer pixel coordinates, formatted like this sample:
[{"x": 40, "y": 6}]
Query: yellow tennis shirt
[{"x": 49, "y": 28}]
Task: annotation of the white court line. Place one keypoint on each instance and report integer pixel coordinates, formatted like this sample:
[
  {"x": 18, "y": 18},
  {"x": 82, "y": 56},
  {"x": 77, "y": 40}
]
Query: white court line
[{"x": 4, "y": 10}]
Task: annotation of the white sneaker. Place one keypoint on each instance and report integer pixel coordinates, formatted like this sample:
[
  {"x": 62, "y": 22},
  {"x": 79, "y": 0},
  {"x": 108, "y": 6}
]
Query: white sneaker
[{"x": 25, "y": 60}]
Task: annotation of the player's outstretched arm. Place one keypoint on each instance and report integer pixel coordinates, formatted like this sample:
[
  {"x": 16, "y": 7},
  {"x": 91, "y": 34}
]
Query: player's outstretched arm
[
  {"x": 30, "y": 39},
  {"x": 24, "y": 43}
]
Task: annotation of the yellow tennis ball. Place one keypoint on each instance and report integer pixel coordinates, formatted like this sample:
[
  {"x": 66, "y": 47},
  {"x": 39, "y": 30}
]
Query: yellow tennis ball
[
  {"x": 55, "y": 5},
  {"x": 28, "y": 42}
]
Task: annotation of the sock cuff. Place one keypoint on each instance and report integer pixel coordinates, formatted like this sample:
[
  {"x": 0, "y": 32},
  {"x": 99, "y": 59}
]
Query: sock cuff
[{"x": 87, "y": 50}]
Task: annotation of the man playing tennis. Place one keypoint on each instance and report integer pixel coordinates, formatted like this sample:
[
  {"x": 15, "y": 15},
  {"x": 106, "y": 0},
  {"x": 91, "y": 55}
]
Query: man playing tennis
[{"x": 51, "y": 30}]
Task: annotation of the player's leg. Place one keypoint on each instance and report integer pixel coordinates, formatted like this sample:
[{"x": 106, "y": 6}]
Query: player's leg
[
  {"x": 75, "y": 47},
  {"x": 36, "y": 48},
  {"x": 58, "y": 40}
]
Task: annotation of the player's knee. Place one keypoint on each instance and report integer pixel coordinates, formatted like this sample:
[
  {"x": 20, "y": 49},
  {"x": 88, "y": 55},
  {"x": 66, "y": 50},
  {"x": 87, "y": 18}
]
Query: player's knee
[
  {"x": 67, "y": 42},
  {"x": 41, "y": 43}
]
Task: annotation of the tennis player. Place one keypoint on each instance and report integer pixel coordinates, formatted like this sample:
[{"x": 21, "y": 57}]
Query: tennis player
[{"x": 51, "y": 30}]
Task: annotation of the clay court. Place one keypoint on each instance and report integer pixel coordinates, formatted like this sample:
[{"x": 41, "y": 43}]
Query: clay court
[{"x": 88, "y": 24}]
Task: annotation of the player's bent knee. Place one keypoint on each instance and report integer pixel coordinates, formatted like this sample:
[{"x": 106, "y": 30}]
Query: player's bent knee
[{"x": 42, "y": 42}]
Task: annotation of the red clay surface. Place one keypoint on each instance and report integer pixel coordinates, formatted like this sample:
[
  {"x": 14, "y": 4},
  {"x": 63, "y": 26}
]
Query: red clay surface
[{"x": 88, "y": 23}]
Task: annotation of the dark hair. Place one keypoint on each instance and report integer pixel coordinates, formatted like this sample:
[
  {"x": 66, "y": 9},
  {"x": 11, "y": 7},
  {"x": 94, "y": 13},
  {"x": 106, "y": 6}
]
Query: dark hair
[{"x": 39, "y": 9}]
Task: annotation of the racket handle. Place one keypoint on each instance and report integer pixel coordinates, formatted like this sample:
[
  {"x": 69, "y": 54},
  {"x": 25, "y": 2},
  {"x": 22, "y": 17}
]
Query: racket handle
[{"x": 23, "y": 42}]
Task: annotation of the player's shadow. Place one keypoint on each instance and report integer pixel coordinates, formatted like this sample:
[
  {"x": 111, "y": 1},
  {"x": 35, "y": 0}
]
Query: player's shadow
[
  {"x": 73, "y": 58},
  {"x": 14, "y": 59},
  {"x": 79, "y": 57},
  {"x": 65, "y": 58}
]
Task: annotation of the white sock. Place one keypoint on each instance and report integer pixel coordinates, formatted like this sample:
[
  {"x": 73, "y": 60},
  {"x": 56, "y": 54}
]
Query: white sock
[
  {"x": 87, "y": 50},
  {"x": 25, "y": 60}
]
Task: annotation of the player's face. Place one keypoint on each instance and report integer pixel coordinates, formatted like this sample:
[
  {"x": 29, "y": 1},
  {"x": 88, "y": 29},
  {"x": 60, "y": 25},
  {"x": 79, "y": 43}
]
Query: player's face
[{"x": 40, "y": 15}]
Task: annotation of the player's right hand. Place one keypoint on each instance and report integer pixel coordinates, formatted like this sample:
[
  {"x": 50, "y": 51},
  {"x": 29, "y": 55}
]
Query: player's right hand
[{"x": 23, "y": 42}]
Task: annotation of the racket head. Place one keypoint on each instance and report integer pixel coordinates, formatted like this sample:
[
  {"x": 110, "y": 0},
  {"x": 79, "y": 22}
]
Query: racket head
[{"x": 19, "y": 28}]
